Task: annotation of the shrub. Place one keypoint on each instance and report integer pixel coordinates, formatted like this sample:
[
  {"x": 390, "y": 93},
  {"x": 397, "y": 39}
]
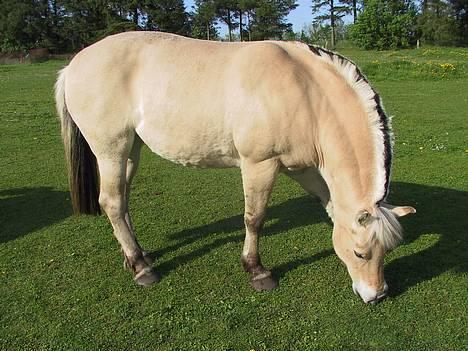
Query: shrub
[{"x": 385, "y": 25}]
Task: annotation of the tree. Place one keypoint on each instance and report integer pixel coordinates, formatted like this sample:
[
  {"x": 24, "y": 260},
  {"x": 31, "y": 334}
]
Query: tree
[
  {"x": 203, "y": 20},
  {"x": 22, "y": 24},
  {"x": 227, "y": 11},
  {"x": 269, "y": 19},
  {"x": 385, "y": 24},
  {"x": 460, "y": 15},
  {"x": 352, "y": 4},
  {"x": 435, "y": 24},
  {"x": 244, "y": 7},
  {"x": 334, "y": 10},
  {"x": 318, "y": 32},
  {"x": 167, "y": 16}
]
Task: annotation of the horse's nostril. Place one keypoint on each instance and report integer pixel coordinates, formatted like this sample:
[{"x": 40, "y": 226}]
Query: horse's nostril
[{"x": 379, "y": 298}]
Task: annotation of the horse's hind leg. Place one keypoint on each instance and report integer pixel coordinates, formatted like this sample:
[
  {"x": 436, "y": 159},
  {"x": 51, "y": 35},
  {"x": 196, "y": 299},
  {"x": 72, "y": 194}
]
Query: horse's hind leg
[
  {"x": 132, "y": 166},
  {"x": 112, "y": 198},
  {"x": 258, "y": 180}
]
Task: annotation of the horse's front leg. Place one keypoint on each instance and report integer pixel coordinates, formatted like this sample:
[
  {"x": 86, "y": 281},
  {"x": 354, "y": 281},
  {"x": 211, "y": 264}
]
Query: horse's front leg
[{"x": 258, "y": 180}]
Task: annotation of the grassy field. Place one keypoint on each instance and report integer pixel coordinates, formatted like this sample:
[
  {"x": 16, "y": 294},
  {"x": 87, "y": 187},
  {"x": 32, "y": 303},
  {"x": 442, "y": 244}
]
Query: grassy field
[{"x": 62, "y": 284}]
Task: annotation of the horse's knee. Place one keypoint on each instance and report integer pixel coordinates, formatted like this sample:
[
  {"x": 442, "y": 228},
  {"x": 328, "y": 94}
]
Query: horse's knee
[{"x": 112, "y": 205}]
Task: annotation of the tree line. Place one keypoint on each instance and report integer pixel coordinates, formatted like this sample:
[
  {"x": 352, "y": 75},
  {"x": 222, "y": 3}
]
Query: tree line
[
  {"x": 385, "y": 24},
  {"x": 69, "y": 25}
]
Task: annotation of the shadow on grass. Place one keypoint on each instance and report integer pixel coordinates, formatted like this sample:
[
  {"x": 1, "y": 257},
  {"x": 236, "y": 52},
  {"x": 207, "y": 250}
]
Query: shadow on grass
[
  {"x": 24, "y": 210},
  {"x": 294, "y": 213},
  {"x": 441, "y": 211}
]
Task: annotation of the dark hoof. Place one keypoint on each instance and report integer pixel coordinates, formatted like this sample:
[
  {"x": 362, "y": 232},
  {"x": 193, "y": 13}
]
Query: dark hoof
[
  {"x": 263, "y": 283},
  {"x": 146, "y": 276}
]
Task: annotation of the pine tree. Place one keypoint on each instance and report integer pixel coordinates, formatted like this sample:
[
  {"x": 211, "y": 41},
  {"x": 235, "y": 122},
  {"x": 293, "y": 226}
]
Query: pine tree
[
  {"x": 167, "y": 16},
  {"x": 334, "y": 10},
  {"x": 352, "y": 4},
  {"x": 227, "y": 11},
  {"x": 269, "y": 19},
  {"x": 203, "y": 20}
]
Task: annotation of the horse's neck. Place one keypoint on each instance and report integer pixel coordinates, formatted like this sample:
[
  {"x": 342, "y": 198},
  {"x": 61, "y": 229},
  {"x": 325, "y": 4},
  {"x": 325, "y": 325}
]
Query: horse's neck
[{"x": 347, "y": 152}]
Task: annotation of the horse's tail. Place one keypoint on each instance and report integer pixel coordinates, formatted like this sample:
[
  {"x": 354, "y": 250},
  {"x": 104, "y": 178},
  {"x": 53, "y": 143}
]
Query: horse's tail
[{"x": 82, "y": 167}]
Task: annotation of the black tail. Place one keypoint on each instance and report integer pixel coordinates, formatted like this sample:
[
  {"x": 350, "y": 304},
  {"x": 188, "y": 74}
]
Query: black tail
[{"x": 82, "y": 166}]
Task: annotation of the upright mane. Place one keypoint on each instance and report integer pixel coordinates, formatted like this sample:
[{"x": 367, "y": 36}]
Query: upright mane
[{"x": 379, "y": 122}]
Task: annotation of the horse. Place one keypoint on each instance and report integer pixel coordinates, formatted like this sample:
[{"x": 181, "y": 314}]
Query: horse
[{"x": 267, "y": 107}]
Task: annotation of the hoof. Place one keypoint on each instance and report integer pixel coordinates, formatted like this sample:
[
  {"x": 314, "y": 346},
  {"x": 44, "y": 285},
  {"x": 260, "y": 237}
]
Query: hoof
[
  {"x": 263, "y": 282},
  {"x": 146, "y": 276}
]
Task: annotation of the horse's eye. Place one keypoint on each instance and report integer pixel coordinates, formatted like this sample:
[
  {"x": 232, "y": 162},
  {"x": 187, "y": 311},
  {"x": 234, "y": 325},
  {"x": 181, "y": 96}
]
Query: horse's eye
[{"x": 358, "y": 255}]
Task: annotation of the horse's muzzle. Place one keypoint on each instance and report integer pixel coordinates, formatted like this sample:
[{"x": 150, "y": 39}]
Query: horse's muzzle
[{"x": 369, "y": 295}]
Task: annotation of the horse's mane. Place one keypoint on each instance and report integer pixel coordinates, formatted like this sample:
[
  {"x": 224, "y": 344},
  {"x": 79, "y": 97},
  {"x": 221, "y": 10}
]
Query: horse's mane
[
  {"x": 379, "y": 122},
  {"x": 387, "y": 229}
]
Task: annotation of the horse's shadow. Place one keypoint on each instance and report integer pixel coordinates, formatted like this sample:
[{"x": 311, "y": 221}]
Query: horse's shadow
[
  {"x": 440, "y": 211},
  {"x": 25, "y": 210},
  {"x": 294, "y": 213}
]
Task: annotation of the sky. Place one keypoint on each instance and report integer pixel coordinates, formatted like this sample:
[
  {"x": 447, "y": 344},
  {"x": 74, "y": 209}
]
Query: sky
[{"x": 299, "y": 17}]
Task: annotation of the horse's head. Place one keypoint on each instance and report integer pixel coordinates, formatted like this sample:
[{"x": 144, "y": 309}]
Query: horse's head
[{"x": 362, "y": 244}]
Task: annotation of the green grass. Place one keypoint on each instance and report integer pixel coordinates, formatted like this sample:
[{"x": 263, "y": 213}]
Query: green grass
[
  {"x": 62, "y": 284},
  {"x": 431, "y": 63}
]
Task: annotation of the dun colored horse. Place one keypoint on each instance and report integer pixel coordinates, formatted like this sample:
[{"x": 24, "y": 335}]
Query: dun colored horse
[{"x": 266, "y": 107}]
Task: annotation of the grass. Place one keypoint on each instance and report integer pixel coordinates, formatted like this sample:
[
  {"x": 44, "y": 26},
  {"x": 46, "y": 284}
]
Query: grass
[
  {"x": 431, "y": 63},
  {"x": 63, "y": 286}
]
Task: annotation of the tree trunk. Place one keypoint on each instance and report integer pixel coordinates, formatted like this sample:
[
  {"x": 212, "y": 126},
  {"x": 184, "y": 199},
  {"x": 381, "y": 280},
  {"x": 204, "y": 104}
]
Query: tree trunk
[
  {"x": 208, "y": 31},
  {"x": 248, "y": 25},
  {"x": 354, "y": 11},
  {"x": 229, "y": 24},
  {"x": 240, "y": 25},
  {"x": 424, "y": 6},
  {"x": 332, "y": 23},
  {"x": 135, "y": 16}
]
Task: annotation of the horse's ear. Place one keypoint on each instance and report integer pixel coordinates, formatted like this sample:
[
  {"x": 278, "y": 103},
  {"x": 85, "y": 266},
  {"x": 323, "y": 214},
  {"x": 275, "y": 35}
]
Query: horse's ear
[{"x": 399, "y": 211}]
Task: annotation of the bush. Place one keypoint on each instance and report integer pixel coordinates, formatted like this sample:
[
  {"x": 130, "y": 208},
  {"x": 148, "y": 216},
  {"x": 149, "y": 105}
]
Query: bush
[{"x": 384, "y": 25}]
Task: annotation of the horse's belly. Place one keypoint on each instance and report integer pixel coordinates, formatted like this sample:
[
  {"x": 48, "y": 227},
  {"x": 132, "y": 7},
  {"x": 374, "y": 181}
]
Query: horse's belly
[{"x": 192, "y": 149}]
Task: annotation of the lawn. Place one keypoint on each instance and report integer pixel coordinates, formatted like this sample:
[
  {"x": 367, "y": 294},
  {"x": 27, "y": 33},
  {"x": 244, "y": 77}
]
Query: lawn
[{"x": 62, "y": 284}]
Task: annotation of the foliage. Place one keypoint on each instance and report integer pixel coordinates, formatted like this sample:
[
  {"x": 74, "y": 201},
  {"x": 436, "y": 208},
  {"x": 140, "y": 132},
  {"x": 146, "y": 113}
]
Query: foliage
[
  {"x": 438, "y": 23},
  {"x": 256, "y": 20},
  {"x": 61, "y": 277},
  {"x": 385, "y": 24},
  {"x": 318, "y": 33},
  {"x": 269, "y": 19},
  {"x": 167, "y": 16},
  {"x": 21, "y": 25},
  {"x": 203, "y": 19},
  {"x": 334, "y": 12}
]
